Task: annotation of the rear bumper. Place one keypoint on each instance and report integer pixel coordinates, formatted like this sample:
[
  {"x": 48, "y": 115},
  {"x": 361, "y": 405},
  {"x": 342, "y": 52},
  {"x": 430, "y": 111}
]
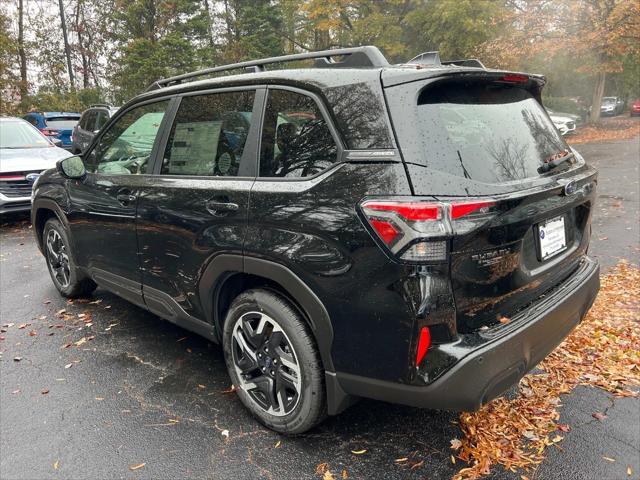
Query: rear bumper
[{"x": 486, "y": 372}]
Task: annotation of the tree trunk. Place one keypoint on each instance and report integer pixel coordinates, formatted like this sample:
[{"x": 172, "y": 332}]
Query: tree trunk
[
  {"x": 67, "y": 49},
  {"x": 24, "y": 85},
  {"x": 598, "y": 92},
  {"x": 210, "y": 28},
  {"x": 79, "y": 27}
]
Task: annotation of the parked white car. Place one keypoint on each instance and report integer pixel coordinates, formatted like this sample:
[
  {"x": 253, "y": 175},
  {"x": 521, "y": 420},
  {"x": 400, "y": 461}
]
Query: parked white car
[
  {"x": 24, "y": 154},
  {"x": 564, "y": 124}
]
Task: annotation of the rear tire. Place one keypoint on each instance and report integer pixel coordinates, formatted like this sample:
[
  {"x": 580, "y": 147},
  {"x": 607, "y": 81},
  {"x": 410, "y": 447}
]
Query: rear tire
[
  {"x": 66, "y": 276},
  {"x": 273, "y": 362}
]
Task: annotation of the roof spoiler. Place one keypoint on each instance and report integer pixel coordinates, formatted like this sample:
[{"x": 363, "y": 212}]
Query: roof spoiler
[{"x": 433, "y": 59}]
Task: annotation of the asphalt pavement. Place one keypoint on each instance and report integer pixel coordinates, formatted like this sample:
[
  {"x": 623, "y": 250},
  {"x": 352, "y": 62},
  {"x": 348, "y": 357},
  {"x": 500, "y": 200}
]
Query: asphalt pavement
[{"x": 114, "y": 387}]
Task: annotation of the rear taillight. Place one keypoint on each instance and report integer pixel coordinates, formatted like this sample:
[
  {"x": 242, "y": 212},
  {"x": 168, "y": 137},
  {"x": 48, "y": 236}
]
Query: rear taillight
[
  {"x": 515, "y": 78},
  {"x": 419, "y": 232},
  {"x": 49, "y": 132}
]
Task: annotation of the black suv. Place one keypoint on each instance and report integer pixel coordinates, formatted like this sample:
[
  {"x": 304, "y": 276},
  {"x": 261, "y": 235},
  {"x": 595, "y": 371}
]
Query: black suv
[{"x": 414, "y": 233}]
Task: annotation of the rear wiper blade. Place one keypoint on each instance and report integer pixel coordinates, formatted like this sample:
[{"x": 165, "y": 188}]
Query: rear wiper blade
[{"x": 555, "y": 160}]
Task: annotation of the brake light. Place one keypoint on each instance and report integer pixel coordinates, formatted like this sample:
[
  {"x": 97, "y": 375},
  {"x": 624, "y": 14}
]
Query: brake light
[
  {"x": 49, "y": 132},
  {"x": 7, "y": 178},
  {"x": 461, "y": 209},
  {"x": 424, "y": 342},
  {"x": 515, "y": 78},
  {"x": 419, "y": 231}
]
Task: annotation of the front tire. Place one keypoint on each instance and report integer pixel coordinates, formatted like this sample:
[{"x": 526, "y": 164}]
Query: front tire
[
  {"x": 273, "y": 362},
  {"x": 66, "y": 276}
]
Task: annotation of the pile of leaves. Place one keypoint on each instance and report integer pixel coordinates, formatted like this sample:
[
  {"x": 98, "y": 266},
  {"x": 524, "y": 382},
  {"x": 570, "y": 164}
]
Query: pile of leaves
[
  {"x": 607, "y": 130},
  {"x": 604, "y": 351}
]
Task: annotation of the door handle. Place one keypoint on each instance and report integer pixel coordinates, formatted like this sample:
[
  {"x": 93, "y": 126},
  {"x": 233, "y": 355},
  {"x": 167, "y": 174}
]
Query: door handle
[
  {"x": 125, "y": 198},
  {"x": 217, "y": 208}
]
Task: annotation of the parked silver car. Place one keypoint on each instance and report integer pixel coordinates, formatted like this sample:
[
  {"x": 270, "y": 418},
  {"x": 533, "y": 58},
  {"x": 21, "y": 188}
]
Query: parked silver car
[
  {"x": 92, "y": 120},
  {"x": 24, "y": 154}
]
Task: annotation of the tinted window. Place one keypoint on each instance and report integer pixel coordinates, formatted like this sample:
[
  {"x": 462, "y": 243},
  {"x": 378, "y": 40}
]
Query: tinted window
[
  {"x": 296, "y": 141},
  {"x": 101, "y": 119},
  {"x": 209, "y": 134},
  {"x": 62, "y": 122},
  {"x": 125, "y": 148},
  {"x": 488, "y": 132},
  {"x": 88, "y": 120}
]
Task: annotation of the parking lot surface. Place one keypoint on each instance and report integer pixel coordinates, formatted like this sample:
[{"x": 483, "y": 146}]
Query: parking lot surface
[{"x": 107, "y": 390}]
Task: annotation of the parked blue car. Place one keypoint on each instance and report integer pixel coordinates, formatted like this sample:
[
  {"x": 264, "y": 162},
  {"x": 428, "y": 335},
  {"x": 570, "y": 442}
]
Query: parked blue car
[{"x": 57, "y": 125}]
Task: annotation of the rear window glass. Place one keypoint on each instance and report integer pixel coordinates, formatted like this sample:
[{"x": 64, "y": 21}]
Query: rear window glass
[
  {"x": 487, "y": 132},
  {"x": 62, "y": 122}
]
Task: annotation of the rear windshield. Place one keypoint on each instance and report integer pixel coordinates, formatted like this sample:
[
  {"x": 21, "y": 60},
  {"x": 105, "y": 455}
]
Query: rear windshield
[
  {"x": 62, "y": 122},
  {"x": 487, "y": 132}
]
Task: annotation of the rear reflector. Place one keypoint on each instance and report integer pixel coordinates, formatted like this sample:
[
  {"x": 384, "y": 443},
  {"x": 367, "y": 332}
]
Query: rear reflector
[
  {"x": 426, "y": 252},
  {"x": 424, "y": 342}
]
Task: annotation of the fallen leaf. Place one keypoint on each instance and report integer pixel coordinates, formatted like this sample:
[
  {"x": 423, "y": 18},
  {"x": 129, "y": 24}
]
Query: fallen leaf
[
  {"x": 563, "y": 427},
  {"x": 455, "y": 444},
  {"x": 231, "y": 389},
  {"x": 201, "y": 386},
  {"x": 99, "y": 398},
  {"x": 321, "y": 468},
  {"x": 15, "y": 392},
  {"x": 599, "y": 416},
  {"x": 400, "y": 460},
  {"x": 68, "y": 365},
  {"x": 136, "y": 467},
  {"x": 504, "y": 320},
  {"x": 181, "y": 339},
  {"x": 629, "y": 470},
  {"x": 344, "y": 474},
  {"x": 56, "y": 464},
  {"x": 453, "y": 459},
  {"x": 33, "y": 333},
  {"x": 328, "y": 476},
  {"x": 609, "y": 459},
  {"x": 358, "y": 452},
  {"x": 225, "y": 433},
  {"x": 44, "y": 391},
  {"x": 17, "y": 359},
  {"x": 277, "y": 445}
]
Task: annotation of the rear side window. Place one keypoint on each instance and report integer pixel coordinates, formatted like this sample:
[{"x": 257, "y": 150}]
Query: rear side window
[
  {"x": 101, "y": 119},
  {"x": 61, "y": 122},
  {"x": 487, "y": 132},
  {"x": 209, "y": 135},
  {"x": 89, "y": 120},
  {"x": 296, "y": 141}
]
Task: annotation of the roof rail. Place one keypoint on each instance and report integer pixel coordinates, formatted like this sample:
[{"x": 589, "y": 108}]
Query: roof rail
[
  {"x": 433, "y": 58},
  {"x": 355, "y": 57},
  {"x": 106, "y": 105}
]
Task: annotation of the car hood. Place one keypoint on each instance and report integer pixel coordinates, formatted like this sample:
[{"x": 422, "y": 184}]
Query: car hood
[{"x": 25, "y": 159}]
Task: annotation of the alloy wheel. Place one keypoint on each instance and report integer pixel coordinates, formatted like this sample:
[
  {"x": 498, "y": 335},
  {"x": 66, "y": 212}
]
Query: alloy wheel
[
  {"x": 58, "y": 258},
  {"x": 266, "y": 363}
]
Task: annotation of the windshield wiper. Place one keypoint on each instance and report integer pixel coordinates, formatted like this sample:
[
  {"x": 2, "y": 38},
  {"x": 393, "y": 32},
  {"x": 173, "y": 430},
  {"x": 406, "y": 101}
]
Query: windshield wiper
[{"x": 555, "y": 160}]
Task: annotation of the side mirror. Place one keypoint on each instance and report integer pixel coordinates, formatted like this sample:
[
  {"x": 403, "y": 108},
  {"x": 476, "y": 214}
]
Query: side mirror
[{"x": 71, "y": 167}]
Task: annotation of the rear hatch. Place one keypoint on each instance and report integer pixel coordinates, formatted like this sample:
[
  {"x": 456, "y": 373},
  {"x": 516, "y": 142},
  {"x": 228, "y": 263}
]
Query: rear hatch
[
  {"x": 61, "y": 128},
  {"x": 482, "y": 140}
]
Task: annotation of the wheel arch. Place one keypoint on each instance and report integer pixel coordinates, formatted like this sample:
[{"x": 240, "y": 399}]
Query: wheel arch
[
  {"x": 43, "y": 210},
  {"x": 228, "y": 275}
]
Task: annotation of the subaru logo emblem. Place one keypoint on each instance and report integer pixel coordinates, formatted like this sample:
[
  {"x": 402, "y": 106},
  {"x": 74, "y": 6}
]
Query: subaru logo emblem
[
  {"x": 570, "y": 188},
  {"x": 32, "y": 177}
]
